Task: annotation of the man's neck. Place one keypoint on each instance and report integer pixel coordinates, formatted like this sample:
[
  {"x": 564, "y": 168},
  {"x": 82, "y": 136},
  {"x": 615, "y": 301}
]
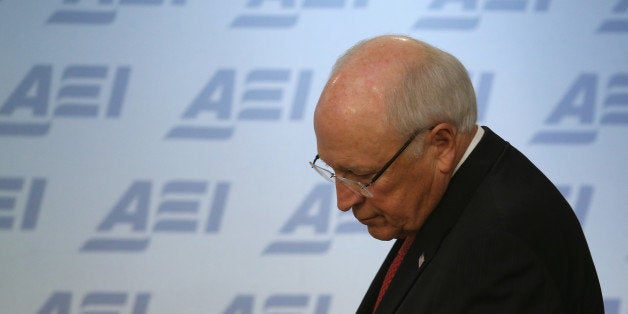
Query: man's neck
[{"x": 463, "y": 149}]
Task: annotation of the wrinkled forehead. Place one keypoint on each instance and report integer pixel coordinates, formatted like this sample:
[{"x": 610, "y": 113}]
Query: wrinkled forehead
[{"x": 355, "y": 132}]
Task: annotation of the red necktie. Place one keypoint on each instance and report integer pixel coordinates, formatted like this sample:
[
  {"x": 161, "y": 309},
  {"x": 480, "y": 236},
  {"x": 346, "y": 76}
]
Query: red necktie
[{"x": 393, "y": 269}]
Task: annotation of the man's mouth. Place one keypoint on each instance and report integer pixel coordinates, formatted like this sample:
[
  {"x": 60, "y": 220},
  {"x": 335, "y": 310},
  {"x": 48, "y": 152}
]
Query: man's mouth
[{"x": 365, "y": 221}]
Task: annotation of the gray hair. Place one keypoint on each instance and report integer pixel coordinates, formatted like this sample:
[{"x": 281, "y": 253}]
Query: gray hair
[
  {"x": 433, "y": 90},
  {"x": 437, "y": 89}
]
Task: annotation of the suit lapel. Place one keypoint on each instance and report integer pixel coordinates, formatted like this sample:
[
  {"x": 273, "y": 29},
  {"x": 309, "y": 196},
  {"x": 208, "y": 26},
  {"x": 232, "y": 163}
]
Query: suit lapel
[{"x": 438, "y": 225}]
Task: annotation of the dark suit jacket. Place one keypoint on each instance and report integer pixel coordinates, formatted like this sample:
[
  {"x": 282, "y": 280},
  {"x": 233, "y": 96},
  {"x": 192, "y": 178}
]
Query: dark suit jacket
[{"x": 501, "y": 240}]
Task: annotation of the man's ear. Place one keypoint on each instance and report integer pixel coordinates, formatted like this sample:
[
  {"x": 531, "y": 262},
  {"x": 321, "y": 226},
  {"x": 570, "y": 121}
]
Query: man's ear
[{"x": 444, "y": 141}]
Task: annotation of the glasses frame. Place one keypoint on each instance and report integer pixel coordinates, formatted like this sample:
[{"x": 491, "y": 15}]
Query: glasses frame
[{"x": 359, "y": 187}]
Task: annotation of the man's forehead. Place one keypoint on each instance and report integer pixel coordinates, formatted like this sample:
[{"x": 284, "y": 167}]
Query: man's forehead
[
  {"x": 348, "y": 161},
  {"x": 355, "y": 148},
  {"x": 351, "y": 127}
]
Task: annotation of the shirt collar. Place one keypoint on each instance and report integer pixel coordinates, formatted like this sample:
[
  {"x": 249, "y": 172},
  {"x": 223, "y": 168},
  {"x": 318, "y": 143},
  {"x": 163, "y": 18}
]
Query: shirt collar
[{"x": 479, "y": 132}]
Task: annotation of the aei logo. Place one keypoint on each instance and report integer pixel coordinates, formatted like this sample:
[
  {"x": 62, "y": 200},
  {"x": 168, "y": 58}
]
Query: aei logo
[
  {"x": 590, "y": 102},
  {"x": 268, "y": 95},
  {"x": 263, "y": 95},
  {"x": 618, "y": 22},
  {"x": 85, "y": 92},
  {"x": 279, "y": 303},
  {"x": 63, "y": 302},
  {"x": 285, "y": 13},
  {"x": 183, "y": 207},
  {"x": 450, "y": 15},
  {"x": 20, "y": 202},
  {"x": 99, "y": 12},
  {"x": 312, "y": 226}
]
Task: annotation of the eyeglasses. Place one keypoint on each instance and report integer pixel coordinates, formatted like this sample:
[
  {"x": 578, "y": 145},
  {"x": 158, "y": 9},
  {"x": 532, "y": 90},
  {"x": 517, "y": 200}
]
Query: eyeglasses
[{"x": 359, "y": 187}]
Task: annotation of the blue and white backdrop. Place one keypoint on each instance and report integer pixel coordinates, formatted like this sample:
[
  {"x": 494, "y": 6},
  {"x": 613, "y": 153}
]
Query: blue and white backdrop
[{"x": 153, "y": 153}]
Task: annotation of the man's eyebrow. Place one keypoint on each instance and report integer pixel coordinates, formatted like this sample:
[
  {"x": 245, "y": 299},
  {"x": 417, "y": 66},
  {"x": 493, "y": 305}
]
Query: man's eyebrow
[
  {"x": 355, "y": 170},
  {"x": 359, "y": 170}
]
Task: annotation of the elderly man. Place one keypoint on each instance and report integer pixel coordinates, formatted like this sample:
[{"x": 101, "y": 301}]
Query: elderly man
[{"x": 479, "y": 228}]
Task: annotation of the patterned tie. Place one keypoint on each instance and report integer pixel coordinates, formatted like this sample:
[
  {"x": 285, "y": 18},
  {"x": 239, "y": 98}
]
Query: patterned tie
[{"x": 393, "y": 269}]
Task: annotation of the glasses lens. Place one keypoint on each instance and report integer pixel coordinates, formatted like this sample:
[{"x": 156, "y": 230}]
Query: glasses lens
[
  {"x": 356, "y": 187},
  {"x": 327, "y": 174}
]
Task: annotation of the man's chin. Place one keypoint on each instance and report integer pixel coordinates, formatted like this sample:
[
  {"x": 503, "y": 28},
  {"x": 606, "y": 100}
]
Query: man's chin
[{"x": 382, "y": 233}]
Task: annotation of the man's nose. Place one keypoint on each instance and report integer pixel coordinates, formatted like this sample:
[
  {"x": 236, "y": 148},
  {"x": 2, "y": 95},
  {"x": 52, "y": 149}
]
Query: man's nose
[{"x": 346, "y": 198}]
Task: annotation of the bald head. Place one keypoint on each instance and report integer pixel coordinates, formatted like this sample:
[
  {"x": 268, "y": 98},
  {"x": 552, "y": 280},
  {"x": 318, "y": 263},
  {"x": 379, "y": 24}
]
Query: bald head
[
  {"x": 397, "y": 84},
  {"x": 355, "y": 97},
  {"x": 382, "y": 50}
]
